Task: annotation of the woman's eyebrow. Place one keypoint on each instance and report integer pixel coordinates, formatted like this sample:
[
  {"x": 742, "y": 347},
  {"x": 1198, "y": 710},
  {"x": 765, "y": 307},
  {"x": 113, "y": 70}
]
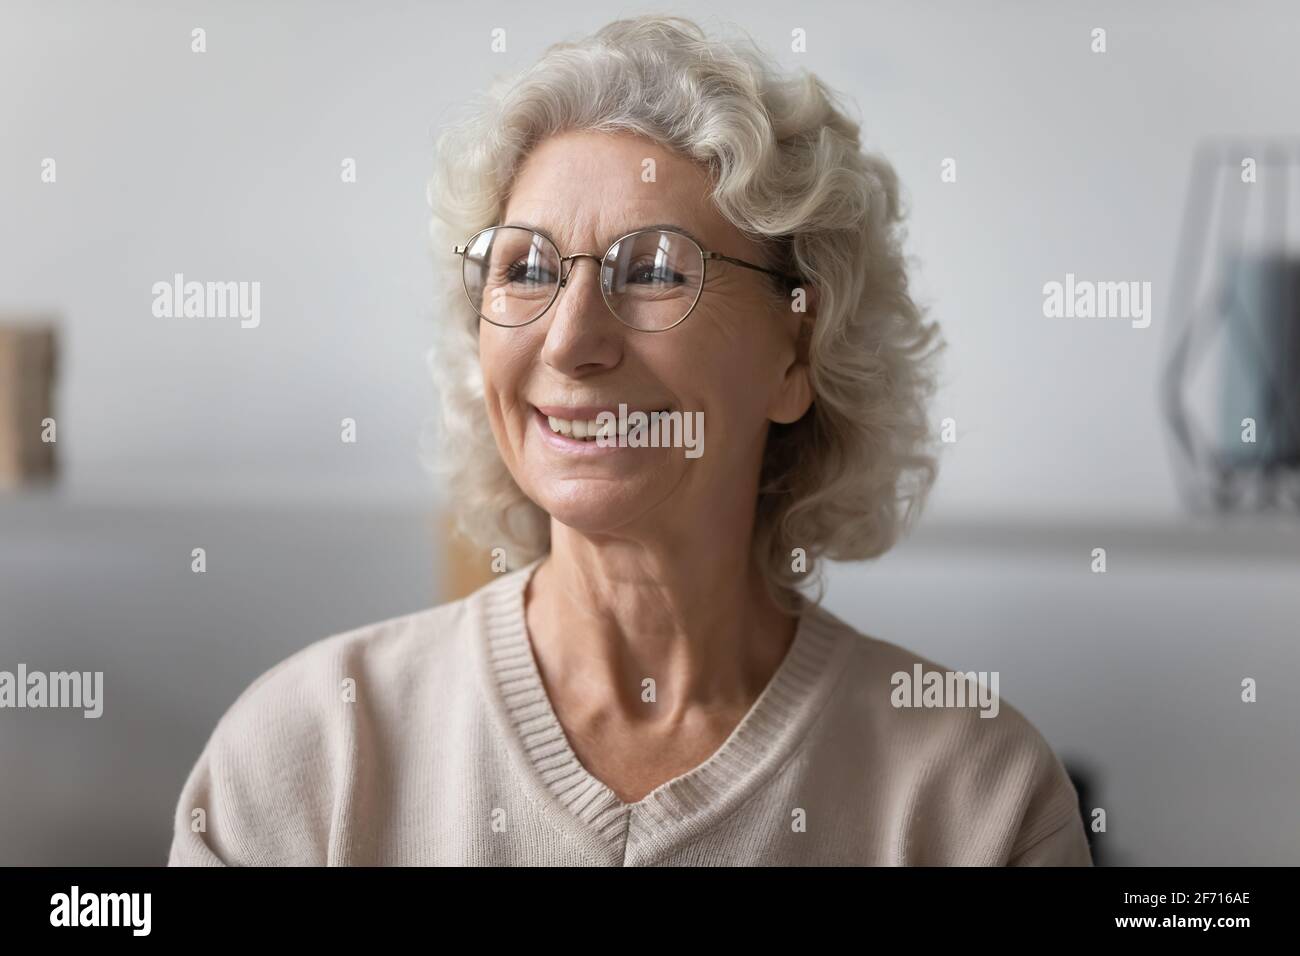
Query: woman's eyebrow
[
  {"x": 534, "y": 227},
  {"x": 656, "y": 225},
  {"x": 676, "y": 228}
]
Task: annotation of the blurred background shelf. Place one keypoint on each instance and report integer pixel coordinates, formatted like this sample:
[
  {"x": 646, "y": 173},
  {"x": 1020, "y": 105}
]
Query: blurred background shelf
[{"x": 1133, "y": 676}]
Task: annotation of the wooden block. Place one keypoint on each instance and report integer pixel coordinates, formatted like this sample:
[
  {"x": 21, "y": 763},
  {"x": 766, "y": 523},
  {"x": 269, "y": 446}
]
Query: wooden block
[
  {"x": 27, "y": 375},
  {"x": 466, "y": 568}
]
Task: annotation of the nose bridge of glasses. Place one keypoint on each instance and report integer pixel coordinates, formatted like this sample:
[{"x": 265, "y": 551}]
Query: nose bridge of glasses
[{"x": 564, "y": 274}]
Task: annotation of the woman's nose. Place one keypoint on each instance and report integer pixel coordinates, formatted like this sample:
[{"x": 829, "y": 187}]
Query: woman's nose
[
  {"x": 582, "y": 333},
  {"x": 588, "y": 294}
]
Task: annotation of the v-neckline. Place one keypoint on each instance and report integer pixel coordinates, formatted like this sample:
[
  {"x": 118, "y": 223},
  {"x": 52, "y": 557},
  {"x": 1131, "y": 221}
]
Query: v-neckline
[{"x": 679, "y": 809}]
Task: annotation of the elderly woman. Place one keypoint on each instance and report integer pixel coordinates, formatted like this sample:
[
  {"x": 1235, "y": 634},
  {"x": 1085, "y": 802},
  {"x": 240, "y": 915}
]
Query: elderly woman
[{"x": 650, "y": 221}]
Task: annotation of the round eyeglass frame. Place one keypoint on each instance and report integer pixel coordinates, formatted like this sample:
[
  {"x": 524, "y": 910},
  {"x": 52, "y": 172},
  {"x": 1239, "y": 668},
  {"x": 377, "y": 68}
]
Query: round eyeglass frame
[{"x": 705, "y": 257}]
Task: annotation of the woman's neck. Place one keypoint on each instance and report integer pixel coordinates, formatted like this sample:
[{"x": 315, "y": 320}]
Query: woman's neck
[{"x": 606, "y": 617}]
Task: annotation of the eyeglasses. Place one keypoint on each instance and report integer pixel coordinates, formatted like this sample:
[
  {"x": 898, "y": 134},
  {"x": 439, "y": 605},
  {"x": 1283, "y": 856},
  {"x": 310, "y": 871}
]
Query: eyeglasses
[{"x": 650, "y": 279}]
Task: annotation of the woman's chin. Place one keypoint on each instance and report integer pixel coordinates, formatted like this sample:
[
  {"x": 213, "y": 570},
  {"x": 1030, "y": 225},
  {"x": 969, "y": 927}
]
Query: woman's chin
[{"x": 595, "y": 513}]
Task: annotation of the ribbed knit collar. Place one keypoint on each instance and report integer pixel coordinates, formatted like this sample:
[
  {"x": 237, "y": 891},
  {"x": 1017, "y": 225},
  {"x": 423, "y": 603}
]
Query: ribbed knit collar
[{"x": 681, "y": 809}]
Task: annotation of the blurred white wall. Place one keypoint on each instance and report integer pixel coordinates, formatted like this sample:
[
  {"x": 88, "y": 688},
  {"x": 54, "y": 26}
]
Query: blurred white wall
[{"x": 226, "y": 165}]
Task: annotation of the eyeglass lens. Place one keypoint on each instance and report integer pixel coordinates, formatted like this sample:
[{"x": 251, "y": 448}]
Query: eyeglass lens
[{"x": 650, "y": 280}]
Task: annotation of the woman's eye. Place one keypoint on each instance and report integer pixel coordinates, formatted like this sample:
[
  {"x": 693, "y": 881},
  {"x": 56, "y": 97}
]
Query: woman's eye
[
  {"x": 521, "y": 271},
  {"x": 649, "y": 272}
]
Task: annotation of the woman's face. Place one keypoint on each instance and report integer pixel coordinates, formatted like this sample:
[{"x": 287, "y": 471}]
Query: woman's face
[{"x": 733, "y": 359}]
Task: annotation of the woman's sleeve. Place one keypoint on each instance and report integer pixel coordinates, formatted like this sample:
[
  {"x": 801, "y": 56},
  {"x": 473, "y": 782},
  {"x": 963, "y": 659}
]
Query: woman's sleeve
[
  {"x": 1052, "y": 831},
  {"x": 262, "y": 790},
  {"x": 1067, "y": 845},
  {"x": 198, "y": 837}
]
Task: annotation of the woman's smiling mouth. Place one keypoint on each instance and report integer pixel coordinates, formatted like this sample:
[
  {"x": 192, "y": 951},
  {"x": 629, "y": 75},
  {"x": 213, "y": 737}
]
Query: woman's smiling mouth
[{"x": 577, "y": 428}]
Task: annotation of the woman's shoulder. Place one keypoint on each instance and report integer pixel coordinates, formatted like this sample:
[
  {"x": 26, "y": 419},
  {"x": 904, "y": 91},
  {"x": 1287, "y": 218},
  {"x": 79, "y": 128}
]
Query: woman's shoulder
[
  {"x": 947, "y": 740},
  {"x": 891, "y": 681},
  {"x": 419, "y": 643},
  {"x": 266, "y": 779},
  {"x": 401, "y": 658}
]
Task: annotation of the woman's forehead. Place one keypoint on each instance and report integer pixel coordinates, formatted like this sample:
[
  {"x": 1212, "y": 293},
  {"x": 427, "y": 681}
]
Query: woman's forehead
[
  {"x": 606, "y": 168},
  {"x": 596, "y": 187}
]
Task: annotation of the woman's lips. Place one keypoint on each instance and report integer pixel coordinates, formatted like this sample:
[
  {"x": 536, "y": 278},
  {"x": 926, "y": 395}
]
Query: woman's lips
[
  {"x": 566, "y": 443},
  {"x": 569, "y": 444}
]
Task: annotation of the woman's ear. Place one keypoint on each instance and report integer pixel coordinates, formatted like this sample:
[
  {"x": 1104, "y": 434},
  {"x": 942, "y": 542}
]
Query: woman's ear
[
  {"x": 794, "y": 397},
  {"x": 795, "y": 394}
]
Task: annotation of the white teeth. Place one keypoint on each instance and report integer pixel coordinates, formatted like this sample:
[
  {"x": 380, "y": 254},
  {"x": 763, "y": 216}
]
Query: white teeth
[{"x": 587, "y": 430}]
